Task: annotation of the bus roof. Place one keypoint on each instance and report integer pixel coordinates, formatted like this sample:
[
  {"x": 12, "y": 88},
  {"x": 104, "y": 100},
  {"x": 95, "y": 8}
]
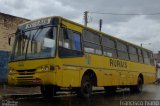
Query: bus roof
[{"x": 96, "y": 31}]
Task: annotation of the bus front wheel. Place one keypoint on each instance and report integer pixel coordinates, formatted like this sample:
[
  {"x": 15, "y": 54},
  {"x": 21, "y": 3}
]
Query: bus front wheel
[{"x": 86, "y": 87}]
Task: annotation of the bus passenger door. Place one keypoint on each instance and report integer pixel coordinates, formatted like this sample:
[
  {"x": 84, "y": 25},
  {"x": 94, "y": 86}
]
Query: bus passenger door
[{"x": 71, "y": 56}]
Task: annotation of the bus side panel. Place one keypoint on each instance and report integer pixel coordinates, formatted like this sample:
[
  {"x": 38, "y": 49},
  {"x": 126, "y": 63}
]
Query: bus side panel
[
  {"x": 97, "y": 63},
  {"x": 115, "y": 77},
  {"x": 59, "y": 78},
  {"x": 68, "y": 74},
  {"x": 71, "y": 77},
  {"x": 149, "y": 76}
]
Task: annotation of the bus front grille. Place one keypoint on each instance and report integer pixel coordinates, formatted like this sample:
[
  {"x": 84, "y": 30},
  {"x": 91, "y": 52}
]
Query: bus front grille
[
  {"x": 25, "y": 79},
  {"x": 25, "y": 82},
  {"x": 26, "y": 72}
]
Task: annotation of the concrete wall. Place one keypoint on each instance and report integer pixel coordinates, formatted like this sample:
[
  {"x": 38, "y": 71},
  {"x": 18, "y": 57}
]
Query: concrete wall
[{"x": 8, "y": 26}]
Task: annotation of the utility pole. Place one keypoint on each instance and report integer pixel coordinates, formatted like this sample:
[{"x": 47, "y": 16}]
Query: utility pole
[
  {"x": 85, "y": 18},
  {"x": 100, "y": 24}
]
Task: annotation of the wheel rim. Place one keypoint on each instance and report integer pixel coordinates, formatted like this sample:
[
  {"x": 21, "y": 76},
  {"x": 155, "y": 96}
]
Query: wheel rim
[{"x": 87, "y": 88}]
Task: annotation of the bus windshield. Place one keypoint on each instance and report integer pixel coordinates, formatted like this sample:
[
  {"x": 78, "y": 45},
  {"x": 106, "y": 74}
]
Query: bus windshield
[{"x": 33, "y": 44}]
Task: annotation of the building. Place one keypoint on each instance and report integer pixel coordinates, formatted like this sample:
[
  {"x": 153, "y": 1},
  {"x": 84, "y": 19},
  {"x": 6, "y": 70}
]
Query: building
[
  {"x": 157, "y": 59},
  {"x": 8, "y": 26}
]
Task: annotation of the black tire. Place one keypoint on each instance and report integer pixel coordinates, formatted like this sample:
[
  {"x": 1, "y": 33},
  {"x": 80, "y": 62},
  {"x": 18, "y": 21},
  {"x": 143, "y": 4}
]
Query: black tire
[
  {"x": 85, "y": 90},
  {"x": 139, "y": 87},
  {"x": 110, "y": 90},
  {"x": 48, "y": 91}
]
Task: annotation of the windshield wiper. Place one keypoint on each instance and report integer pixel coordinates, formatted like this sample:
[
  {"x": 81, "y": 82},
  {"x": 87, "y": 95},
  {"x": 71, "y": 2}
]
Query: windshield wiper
[
  {"x": 34, "y": 36},
  {"x": 38, "y": 30}
]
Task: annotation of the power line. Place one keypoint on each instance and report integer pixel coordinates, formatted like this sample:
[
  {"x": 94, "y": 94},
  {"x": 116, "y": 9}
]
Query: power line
[{"x": 123, "y": 13}]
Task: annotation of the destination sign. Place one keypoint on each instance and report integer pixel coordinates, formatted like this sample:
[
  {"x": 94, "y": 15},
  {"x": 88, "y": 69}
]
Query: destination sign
[{"x": 38, "y": 23}]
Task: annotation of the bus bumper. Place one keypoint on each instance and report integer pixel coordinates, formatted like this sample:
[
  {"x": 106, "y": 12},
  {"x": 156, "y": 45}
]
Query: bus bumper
[{"x": 37, "y": 79}]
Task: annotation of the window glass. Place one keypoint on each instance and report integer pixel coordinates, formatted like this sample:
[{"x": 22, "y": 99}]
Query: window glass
[
  {"x": 108, "y": 42},
  {"x": 146, "y": 57},
  {"x": 109, "y": 52},
  {"x": 140, "y": 55},
  {"x": 146, "y": 60},
  {"x": 132, "y": 50},
  {"x": 109, "y": 47},
  {"x": 91, "y": 37},
  {"x": 92, "y": 42},
  {"x": 133, "y": 53},
  {"x": 76, "y": 42},
  {"x": 145, "y": 54},
  {"x": 69, "y": 43},
  {"x": 123, "y": 55},
  {"x": 121, "y": 46},
  {"x": 140, "y": 59},
  {"x": 70, "y": 40},
  {"x": 122, "y": 51},
  {"x": 139, "y": 52},
  {"x": 151, "y": 58},
  {"x": 92, "y": 48},
  {"x": 133, "y": 57}
]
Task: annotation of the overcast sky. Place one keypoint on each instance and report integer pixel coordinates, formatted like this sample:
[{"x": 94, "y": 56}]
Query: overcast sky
[{"x": 137, "y": 29}]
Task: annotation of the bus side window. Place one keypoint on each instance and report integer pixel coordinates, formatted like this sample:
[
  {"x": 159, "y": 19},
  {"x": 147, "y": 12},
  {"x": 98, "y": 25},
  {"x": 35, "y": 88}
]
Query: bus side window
[
  {"x": 151, "y": 58},
  {"x": 67, "y": 35},
  {"x": 133, "y": 53},
  {"x": 146, "y": 57},
  {"x": 92, "y": 42},
  {"x": 69, "y": 43},
  {"x": 109, "y": 47},
  {"x": 140, "y": 56},
  {"x": 122, "y": 51},
  {"x": 76, "y": 42}
]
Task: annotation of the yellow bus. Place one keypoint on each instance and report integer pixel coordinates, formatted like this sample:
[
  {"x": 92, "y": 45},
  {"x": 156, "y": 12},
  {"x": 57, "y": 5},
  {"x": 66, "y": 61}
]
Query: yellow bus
[{"x": 56, "y": 53}]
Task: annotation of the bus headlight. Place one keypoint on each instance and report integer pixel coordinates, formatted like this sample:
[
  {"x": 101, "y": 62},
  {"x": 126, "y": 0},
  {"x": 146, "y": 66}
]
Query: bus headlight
[{"x": 45, "y": 68}]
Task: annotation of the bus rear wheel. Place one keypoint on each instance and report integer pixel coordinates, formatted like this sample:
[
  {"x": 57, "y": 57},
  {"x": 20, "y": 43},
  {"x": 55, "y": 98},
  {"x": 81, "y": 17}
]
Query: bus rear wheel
[
  {"x": 85, "y": 90},
  {"x": 48, "y": 91},
  {"x": 139, "y": 87}
]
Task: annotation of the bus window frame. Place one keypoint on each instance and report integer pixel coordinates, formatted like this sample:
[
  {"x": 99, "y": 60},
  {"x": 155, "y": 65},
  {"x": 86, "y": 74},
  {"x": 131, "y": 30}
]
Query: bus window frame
[
  {"x": 126, "y": 52},
  {"x": 62, "y": 27},
  {"x": 103, "y": 46},
  {"x": 100, "y": 41},
  {"x": 131, "y": 53}
]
